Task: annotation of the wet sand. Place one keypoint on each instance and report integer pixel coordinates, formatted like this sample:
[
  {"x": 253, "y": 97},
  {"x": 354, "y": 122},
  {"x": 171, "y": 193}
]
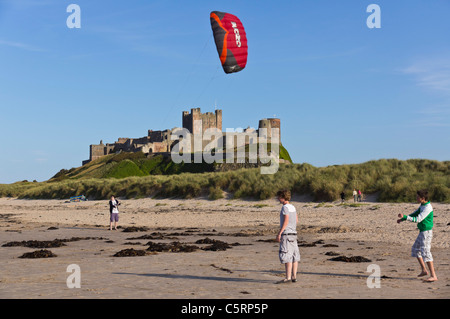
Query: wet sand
[{"x": 248, "y": 269}]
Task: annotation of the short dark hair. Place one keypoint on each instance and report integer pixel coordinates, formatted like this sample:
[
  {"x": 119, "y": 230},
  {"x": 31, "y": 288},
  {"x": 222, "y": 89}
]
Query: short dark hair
[
  {"x": 423, "y": 193},
  {"x": 285, "y": 194}
]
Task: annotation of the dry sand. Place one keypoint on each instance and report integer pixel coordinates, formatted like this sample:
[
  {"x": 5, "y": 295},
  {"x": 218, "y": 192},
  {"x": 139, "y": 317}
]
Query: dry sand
[{"x": 248, "y": 270}]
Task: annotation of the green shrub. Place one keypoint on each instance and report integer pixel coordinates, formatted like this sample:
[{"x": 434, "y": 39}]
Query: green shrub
[{"x": 215, "y": 193}]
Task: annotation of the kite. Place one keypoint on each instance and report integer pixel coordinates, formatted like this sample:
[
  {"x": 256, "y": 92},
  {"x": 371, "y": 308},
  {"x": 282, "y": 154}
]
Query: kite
[{"x": 231, "y": 41}]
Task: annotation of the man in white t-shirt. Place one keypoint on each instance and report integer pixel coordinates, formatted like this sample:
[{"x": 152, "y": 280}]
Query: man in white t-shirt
[{"x": 289, "y": 253}]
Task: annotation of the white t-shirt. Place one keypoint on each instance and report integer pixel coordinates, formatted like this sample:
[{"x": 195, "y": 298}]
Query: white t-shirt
[
  {"x": 115, "y": 210},
  {"x": 289, "y": 210}
]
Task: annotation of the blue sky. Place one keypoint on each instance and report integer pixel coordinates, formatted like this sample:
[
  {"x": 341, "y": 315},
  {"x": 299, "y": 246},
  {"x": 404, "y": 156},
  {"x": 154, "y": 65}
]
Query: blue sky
[{"x": 345, "y": 93}]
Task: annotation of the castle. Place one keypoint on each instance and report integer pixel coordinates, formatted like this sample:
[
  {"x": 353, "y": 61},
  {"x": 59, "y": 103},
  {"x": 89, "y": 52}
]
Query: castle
[{"x": 196, "y": 123}]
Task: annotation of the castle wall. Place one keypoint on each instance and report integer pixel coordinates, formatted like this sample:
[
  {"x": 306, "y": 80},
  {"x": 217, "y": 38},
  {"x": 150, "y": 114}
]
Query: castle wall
[
  {"x": 218, "y": 114},
  {"x": 110, "y": 148},
  {"x": 96, "y": 151},
  {"x": 155, "y": 136},
  {"x": 159, "y": 136},
  {"x": 187, "y": 121},
  {"x": 209, "y": 120},
  {"x": 122, "y": 140},
  {"x": 160, "y": 147},
  {"x": 196, "y": 116},
  {"x": 160, "y": 141}
]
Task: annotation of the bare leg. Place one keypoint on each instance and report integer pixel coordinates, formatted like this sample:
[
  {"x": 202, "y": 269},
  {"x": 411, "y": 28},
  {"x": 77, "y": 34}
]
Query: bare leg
[
  {"x": 433, "y": 276},
  {"x": 288, "y": 267},
  {"x": 422, "y": 265},
  {"x": 294, "y": 270}
]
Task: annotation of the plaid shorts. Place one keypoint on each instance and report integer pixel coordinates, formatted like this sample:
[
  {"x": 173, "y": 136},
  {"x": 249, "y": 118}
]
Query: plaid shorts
[{"x": 422, "y": 246}]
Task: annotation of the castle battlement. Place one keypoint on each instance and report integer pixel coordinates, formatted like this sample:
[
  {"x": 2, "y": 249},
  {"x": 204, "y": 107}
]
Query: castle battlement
[{"x": 160, "y": 142}]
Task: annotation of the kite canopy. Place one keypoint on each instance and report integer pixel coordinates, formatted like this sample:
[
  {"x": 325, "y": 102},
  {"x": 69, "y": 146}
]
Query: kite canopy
[{"x": 231, "y": 41}]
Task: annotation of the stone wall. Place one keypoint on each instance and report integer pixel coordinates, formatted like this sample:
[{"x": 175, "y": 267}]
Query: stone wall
[
  {"x": 160, "y": 141},
  {"x": 209, "y": 120}
]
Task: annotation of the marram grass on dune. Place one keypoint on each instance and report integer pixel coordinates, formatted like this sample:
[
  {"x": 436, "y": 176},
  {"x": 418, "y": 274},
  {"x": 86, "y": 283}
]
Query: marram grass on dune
[{"x": 392, "y": 180}]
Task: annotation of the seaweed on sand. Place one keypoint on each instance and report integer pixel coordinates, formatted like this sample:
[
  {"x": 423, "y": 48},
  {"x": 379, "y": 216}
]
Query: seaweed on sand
[
  {"x": 174, "y": 247},
  {"x": 130, "y": 253},
  {"x": 353, "y": 259},
  {"x": 43, "y": 253}
]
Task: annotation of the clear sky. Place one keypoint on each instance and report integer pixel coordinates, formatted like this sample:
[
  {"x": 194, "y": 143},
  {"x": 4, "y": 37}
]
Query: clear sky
[{"x": 345, "y": 93}]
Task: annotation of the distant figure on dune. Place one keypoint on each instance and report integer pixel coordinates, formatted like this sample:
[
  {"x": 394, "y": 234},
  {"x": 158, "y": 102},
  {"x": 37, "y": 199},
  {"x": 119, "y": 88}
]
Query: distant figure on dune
[
  {"x": 355, "y": 194},
  {"x": 342, "y": 197}
]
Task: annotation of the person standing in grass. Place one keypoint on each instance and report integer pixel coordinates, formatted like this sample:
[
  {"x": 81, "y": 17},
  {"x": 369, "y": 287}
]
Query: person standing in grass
[
  {"x": 421, "y": 249},
  {"x": 287, "y": 237},
  {"x": 113, "y": 212}
]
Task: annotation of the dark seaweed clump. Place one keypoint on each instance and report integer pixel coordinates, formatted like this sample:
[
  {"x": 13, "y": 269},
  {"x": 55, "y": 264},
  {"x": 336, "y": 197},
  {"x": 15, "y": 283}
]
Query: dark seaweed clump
[
  {"x": 206, "y": 241},
  {"x": 174, "y": 247},
  {"x": 154, "y": 235},
  {"x": 43, "y": 253},
  {"x": 130, "y": 253},
  {"x": 215, "y": 245},
  {"x": 331, "y": 253},
  {"x": 46, "y": 243},
  {"x": 353, "y": 259},
  {"x": 36, "y": 243},
  {"x": 132, "y": 229}
]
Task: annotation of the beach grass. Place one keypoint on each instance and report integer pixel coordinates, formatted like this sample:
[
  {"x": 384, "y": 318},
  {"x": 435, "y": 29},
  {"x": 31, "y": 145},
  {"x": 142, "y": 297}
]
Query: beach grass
[{"x": 391, "y": 179}]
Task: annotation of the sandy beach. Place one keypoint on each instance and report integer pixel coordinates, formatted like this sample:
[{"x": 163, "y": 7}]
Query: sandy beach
[{"x": 246, "y": 268}]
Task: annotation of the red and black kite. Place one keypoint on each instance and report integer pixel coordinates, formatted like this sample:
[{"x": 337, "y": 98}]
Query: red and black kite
[{"x": 231, "y": 41}]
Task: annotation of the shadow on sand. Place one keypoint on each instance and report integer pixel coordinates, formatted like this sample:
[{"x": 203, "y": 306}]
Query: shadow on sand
[
  {"x": 249, "y": 280},
  {"x": 216, "y": 278}
]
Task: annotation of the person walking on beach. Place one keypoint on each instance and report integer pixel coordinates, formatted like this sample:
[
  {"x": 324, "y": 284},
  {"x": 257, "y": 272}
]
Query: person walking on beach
[
  {"x": 287, "y": 237},
  {"x": 359, "y": 195},
  {"x": 421, "y": 249},
  {"x": 113, "y": 212},
  {"x": 342, "y": 197},
  {"x": 354, "y": 195}
]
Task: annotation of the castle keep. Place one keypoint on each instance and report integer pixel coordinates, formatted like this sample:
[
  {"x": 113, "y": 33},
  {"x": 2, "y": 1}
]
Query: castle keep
[
  {"x": 159, "y": 142},
  {"x": 209, "y": 120}
]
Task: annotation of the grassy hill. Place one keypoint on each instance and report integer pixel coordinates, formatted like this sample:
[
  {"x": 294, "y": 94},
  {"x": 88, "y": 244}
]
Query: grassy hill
[
  {"x": 133, "y": 176},
  {"x": 130, "y": 164},
  {"x": 138, "y": 164}
]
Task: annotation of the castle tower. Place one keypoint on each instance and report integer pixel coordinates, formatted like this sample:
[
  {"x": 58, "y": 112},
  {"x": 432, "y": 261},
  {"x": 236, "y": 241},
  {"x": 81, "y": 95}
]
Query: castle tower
[
  {"x": 269, "y": 124},
  {"x": 209, "y": 120},
  {"x": 187, "y": 123},
  {"x": 219, "y": 119}
]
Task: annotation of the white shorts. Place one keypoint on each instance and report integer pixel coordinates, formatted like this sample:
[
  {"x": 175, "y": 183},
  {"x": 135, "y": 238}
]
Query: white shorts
[
  {"x": 289, "y": 249},
  {"x": 422, "y": 246}
]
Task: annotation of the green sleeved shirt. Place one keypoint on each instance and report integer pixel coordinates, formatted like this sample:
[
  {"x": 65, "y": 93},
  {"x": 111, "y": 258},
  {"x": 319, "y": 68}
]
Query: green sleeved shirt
[{"x": 423, "y": 216}]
